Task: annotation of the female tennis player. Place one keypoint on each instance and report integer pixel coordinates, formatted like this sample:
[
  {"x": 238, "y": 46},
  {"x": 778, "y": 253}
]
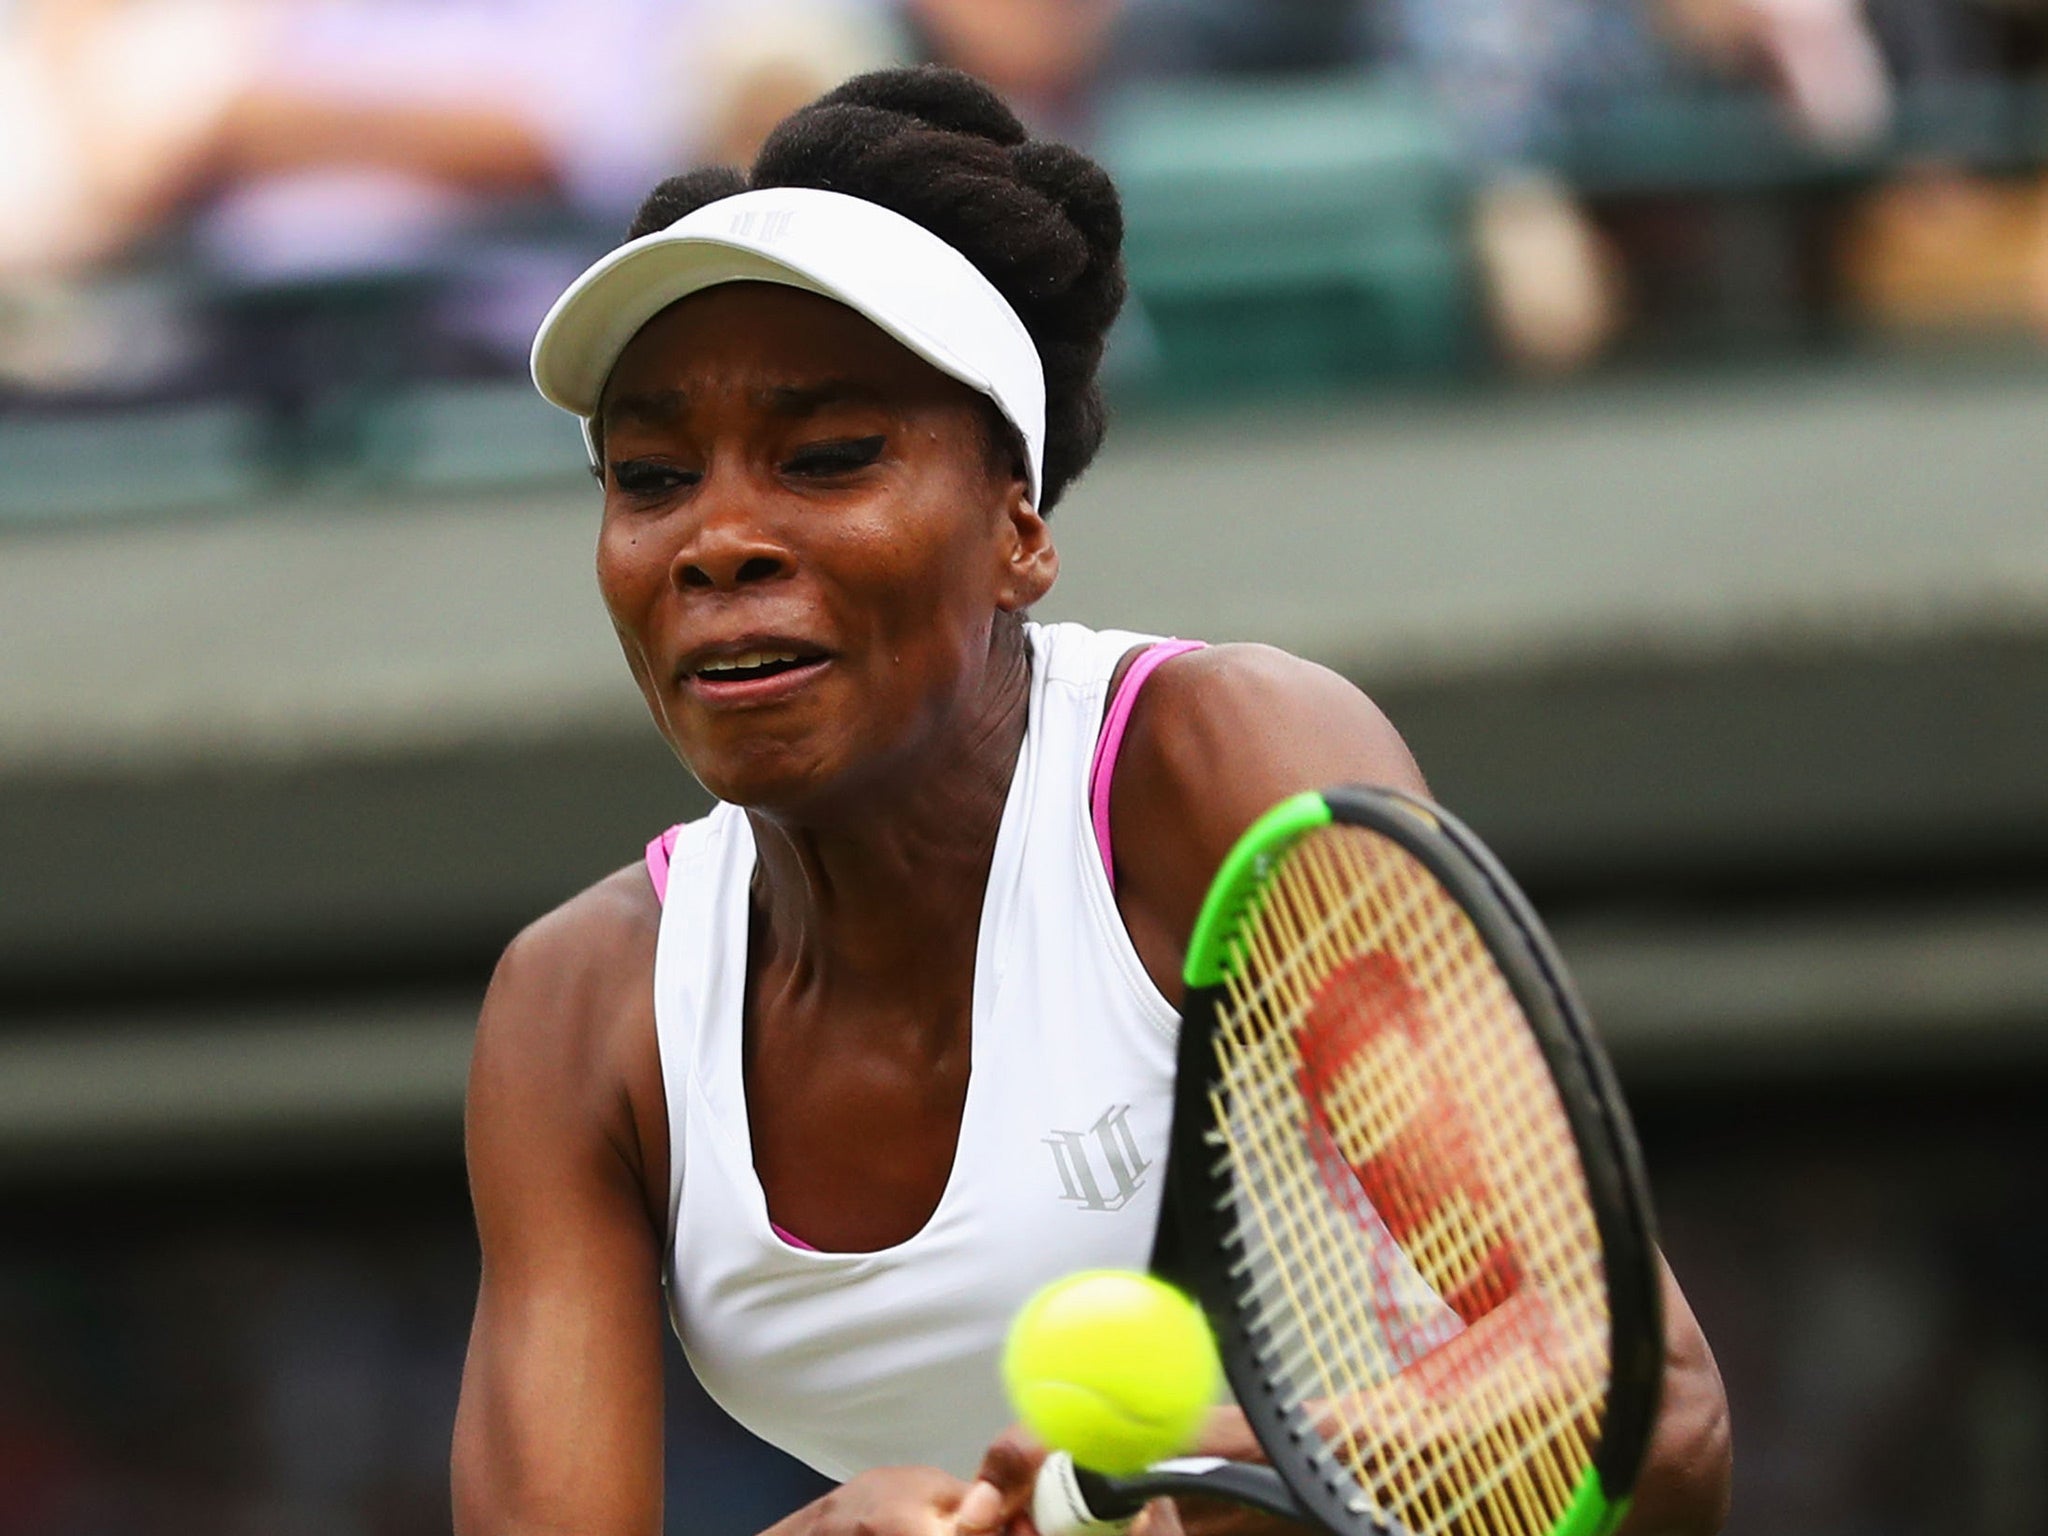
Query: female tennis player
[{"x": 844, "y": 1071}]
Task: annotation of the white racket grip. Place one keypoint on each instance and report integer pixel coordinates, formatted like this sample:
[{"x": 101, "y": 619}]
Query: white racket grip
[{"x": 1058, "y": 1509}]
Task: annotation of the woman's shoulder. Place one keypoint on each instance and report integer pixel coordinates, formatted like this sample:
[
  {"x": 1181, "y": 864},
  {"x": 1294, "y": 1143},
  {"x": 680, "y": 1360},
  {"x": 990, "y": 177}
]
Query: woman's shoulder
[
  {"x": 1235, "y": 720},
  {"x": 590, "y": 946},
  {"x": 1219, "y": 736},
  {"x": 566, "y": 1037}
]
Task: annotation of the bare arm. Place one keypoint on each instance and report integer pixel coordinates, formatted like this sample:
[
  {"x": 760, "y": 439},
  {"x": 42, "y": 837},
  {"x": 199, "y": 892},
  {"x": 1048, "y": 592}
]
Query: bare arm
[
  {"x": 560, "y": 1428},
  {"x": 560, "y": 1423},
  {"x": 471, "y": 145},
  {"x": 1684, "y": 1486}
]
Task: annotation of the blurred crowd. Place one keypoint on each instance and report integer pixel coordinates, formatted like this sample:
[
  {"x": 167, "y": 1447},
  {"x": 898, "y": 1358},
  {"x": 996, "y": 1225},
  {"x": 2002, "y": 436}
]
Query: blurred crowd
[
  {"x": 269, "y": 1369},
  {"x": 286, "y": 1361},
  {"x": 220, "y": 195}
]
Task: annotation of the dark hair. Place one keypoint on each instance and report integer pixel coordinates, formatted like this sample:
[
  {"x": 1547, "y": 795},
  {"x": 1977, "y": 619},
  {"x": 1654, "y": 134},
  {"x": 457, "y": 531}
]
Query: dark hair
[{"x": 1041, "y": 221}]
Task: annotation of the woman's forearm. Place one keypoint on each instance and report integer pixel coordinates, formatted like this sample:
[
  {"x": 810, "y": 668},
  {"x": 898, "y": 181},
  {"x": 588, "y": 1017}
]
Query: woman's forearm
[{"x": 1684, "y": 1485}]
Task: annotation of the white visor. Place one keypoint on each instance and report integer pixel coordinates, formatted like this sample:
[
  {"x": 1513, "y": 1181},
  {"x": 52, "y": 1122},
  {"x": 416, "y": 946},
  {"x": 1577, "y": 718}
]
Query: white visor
[{"x": 889, "y": 268}]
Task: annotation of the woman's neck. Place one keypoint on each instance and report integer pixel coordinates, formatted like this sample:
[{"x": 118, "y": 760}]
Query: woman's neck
[{"x": 881, "y": 901}]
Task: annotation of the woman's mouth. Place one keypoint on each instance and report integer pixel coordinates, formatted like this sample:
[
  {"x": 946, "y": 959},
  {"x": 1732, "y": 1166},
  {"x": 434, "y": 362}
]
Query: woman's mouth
[
  {"x": 752, "y": 677},
  {"x": 749, "y": 665}
]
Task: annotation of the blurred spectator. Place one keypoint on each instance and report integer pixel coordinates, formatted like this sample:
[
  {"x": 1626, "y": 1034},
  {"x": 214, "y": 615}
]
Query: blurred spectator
[
  {"x": 107, "y": 108},
  {"x": 1506, "y": 73},
  {"x": 1276, "y": 37},
  {"x": 1514, "y": 78},
  {"x": 1949, "y": 41},
  {"x": 756, "y": 63},
  {"x": 1820, "y": 56},
  {"x": 1524, "y": 77},
  {"x": 447, "y": 162},
  {"x": 1044, "y": 56},
  {"x": 1945, "y": 249},
  {"x": 1498, "y": 66},
  {"x": 279, "y": 197},
  {"x": 1501, "y": 70},
  {"x": 458, "y": 161},
  {"x": 1942, "y": 251},
  {"x": 389, "y": 105}
]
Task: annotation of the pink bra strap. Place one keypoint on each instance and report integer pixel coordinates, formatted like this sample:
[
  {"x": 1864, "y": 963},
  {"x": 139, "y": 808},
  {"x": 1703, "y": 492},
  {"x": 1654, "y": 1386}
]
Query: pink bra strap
[
  {"x": 658, "y": 854},
  {"x": 791, "y": 1238},
  {"x": 1102, "y": 772}
]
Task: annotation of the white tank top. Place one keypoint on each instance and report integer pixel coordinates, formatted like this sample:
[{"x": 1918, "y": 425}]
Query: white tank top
[{"x": 852, "y": 1361}]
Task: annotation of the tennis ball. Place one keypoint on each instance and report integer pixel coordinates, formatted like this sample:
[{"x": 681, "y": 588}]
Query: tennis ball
[{"x": 1114, "y": 1367}]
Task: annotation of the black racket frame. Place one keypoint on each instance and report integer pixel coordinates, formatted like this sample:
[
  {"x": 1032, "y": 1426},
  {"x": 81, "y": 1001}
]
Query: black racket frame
[{"x": 1191, "y": 1246}]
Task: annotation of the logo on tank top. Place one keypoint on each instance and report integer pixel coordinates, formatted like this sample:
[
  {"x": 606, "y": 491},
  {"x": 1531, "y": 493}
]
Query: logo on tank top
[{"x": 1101, "y": 1167}]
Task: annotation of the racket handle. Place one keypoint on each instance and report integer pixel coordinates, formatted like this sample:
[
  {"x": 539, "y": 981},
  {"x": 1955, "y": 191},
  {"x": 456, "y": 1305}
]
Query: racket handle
[
  {"x": 1071, "y": 1501},
  {"x": 1061, "y": 1504}
]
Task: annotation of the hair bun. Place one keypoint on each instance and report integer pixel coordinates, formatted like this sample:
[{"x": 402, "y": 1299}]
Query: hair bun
[
  {"x": 1079, "y": 187},
  {"x": 936, "y": 96}
]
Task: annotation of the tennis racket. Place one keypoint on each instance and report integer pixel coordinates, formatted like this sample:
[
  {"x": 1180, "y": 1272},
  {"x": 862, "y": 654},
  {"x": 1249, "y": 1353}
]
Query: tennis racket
[{"x": 1404, "y": 1188}]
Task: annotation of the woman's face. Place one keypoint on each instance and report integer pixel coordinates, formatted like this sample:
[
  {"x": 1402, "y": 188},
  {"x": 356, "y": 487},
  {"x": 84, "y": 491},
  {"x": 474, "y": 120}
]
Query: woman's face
[{"x": 808, "y": 536}]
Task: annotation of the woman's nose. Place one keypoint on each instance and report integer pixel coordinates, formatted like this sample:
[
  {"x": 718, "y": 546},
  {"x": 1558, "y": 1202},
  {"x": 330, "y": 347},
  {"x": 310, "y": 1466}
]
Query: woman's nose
[
  {"x": 731, "y": 548},
  {"x": 717, "y": 571}
]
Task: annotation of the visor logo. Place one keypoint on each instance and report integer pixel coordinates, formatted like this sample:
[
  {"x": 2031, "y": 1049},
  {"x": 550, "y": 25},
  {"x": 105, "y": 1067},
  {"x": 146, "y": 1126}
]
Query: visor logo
[{"x": 763, "y": 224}]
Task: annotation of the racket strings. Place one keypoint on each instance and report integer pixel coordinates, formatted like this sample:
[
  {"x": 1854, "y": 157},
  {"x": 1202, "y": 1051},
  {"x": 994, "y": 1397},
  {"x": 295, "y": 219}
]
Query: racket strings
[
  {"x": 1341, "y": 1395},
  {"x": 1306, "y": 1241},
  {"x": 1317, "y": 1275},
  {"x": 1415, "y": 1069},
  {"x": 1426, "y": 924},
  {"x": 1483, "y": 1238}
]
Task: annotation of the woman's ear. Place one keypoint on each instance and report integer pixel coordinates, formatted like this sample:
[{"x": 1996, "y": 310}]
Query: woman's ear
[{"x": 1030, "y": 563}]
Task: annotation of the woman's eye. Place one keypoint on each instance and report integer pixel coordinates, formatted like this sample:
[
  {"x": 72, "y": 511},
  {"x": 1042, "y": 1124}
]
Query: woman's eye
[
  {"x": 650, "y": 477},
  {"x": 837, "y": 458}
]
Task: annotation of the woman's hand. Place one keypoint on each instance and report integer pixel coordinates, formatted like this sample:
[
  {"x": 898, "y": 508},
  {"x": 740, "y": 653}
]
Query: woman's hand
[
  {"x": 998, "y": 1502},
  {"x": 887, "y": 1501}
]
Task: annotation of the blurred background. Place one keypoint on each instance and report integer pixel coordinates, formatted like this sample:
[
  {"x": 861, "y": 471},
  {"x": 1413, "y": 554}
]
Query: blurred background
[{"x": 1643, "y": 399}]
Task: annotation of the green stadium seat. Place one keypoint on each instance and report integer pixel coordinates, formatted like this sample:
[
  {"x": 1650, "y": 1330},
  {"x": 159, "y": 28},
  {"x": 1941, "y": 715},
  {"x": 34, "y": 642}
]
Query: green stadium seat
[
  {"x": 483, "y": 434},
  {"x": 139, "y": 460},
  {"x": 1682, "y": 143},
  {"x": 1291, "y": 235}
]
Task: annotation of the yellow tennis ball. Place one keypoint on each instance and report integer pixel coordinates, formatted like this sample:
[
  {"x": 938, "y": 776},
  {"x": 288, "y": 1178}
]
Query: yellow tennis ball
[{"x": 1114, "y": 1367}]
